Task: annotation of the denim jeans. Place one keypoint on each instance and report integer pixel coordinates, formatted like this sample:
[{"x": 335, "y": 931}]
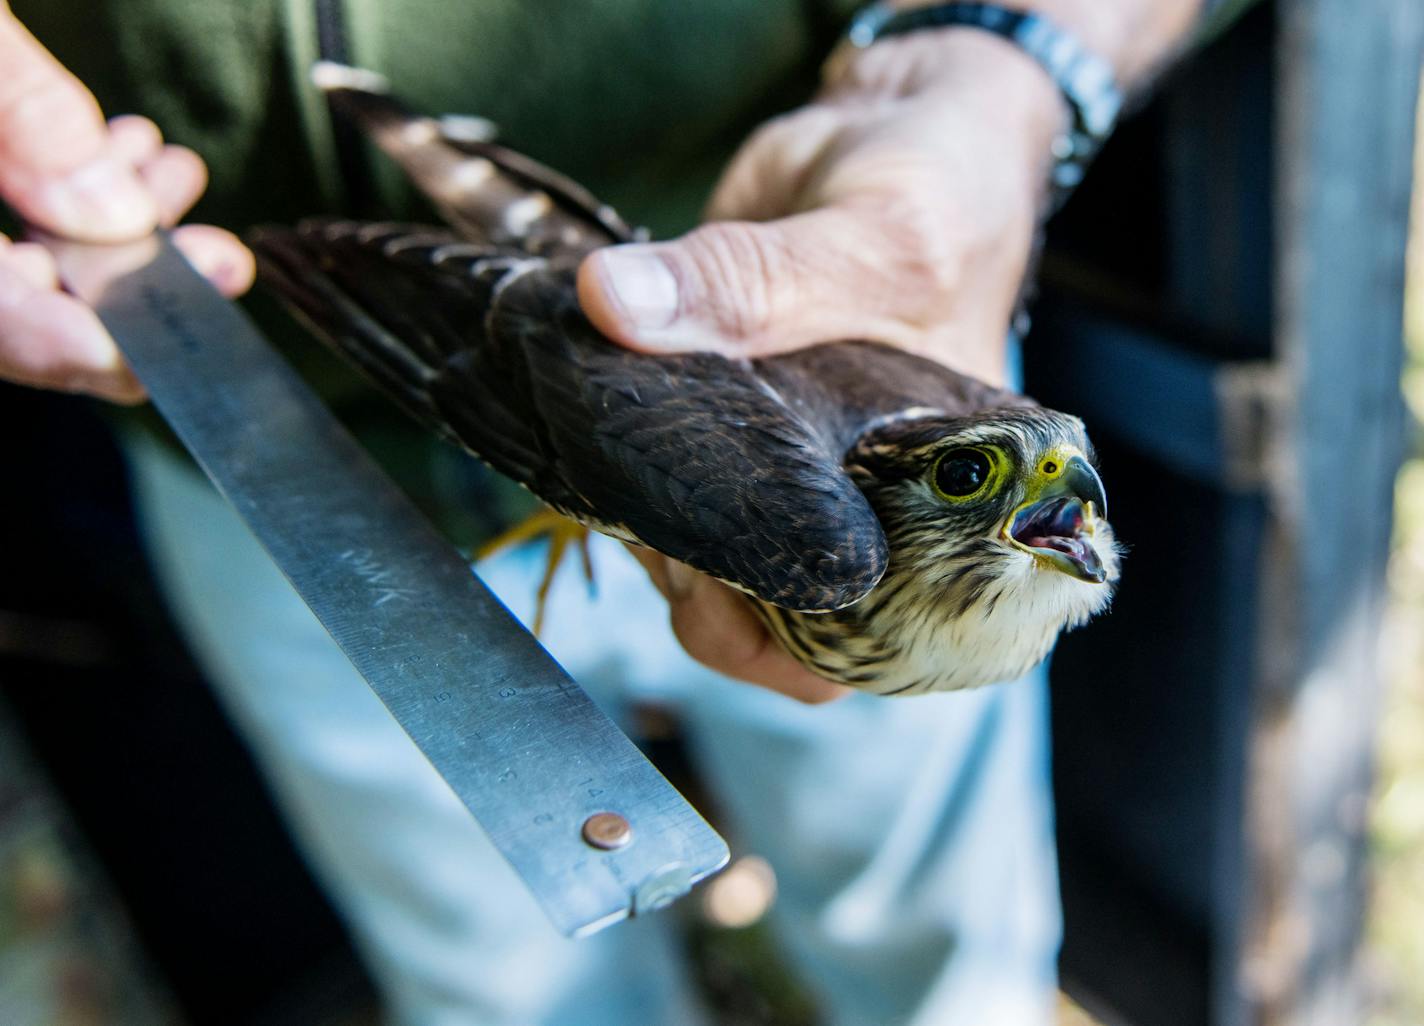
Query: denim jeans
[{"x": 912, "y": 838}]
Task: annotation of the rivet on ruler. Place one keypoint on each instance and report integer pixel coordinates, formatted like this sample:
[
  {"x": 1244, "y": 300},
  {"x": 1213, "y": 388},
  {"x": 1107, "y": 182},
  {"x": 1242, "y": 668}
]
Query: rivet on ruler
[{"x": 607, "y": 830}]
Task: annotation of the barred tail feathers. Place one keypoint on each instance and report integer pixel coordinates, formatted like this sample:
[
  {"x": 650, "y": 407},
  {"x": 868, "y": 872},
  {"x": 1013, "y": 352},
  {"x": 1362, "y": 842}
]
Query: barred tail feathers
[{"x": 490, "y": 194}]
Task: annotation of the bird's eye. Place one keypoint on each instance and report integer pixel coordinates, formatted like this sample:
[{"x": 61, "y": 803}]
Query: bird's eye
[{"x": 961, "y": 473}]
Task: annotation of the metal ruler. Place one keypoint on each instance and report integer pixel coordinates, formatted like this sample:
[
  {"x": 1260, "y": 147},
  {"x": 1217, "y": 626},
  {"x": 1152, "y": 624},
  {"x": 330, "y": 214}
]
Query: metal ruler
[{"x": 594, "y": 830}]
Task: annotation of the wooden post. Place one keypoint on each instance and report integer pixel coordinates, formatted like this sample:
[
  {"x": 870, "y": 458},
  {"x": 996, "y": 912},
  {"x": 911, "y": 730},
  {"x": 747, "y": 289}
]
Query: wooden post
[{"x": 1348, "y": 79}]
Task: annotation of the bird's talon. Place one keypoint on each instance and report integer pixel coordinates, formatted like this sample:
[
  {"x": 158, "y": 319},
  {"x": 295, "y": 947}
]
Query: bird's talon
[{"x": 560, "y": 530}]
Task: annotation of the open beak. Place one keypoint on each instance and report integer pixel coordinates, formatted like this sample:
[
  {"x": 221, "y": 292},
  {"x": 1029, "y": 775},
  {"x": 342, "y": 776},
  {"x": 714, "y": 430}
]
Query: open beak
[{"x": 1057, "y": 527}]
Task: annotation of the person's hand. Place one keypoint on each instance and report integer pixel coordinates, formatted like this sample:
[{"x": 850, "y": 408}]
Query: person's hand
[
  {"x": 900, "y": 207},
  {"x": 64, "y": 170}
]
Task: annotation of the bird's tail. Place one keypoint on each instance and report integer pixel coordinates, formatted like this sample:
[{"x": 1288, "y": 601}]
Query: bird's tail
[{"x": 488, "y": 193}]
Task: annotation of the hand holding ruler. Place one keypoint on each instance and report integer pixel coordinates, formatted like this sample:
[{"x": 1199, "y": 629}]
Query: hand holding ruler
[{"x": 596, "y": 833}]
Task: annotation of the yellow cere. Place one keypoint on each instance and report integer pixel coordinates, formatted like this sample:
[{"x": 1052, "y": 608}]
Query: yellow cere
[{"x": 1050, "y": 467}]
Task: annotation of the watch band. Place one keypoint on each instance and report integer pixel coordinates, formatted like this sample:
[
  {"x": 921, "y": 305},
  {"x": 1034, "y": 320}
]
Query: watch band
[{"x": 1083, "y": 77}]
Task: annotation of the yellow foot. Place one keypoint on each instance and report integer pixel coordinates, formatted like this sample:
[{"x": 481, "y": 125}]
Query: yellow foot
[{"x": 561, "y": 532}]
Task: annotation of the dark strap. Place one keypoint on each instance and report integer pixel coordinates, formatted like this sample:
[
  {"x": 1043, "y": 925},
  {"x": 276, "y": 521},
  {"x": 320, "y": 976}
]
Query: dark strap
[{"x": 352, "y": 159}]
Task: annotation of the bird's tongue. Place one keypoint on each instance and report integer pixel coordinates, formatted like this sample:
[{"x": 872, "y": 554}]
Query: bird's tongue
[
  {"x": 1073, "y": 546},
  {"x": 1052, "y": 518},
  {"x": 1056, "y": 526}
]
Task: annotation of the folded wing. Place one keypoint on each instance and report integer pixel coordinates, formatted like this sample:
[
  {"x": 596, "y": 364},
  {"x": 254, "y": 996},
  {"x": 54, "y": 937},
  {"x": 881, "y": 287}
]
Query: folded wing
[{"x": 696, "y": 456}]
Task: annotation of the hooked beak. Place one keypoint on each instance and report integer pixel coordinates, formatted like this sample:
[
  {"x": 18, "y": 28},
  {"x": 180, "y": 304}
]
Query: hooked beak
[{"x": 1057, "y": 527}]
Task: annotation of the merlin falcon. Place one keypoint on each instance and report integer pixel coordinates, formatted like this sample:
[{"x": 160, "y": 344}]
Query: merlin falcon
[{"x": 899, "y": 527}]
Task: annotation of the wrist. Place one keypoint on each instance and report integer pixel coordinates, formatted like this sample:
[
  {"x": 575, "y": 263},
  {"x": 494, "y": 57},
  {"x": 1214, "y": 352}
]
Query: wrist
[
  {"x": 968, "y": 80},
  {"x": 996, "y": 82}
]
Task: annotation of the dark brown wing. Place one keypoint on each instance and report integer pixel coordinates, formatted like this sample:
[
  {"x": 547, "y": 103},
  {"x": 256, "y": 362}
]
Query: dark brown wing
[{"x": 697, "y": 456}]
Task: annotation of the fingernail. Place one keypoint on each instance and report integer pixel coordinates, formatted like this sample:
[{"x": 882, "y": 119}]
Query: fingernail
[
  {"x": 212, "y": 266},
  {"x": 642, "y": 285},
  {"x": 97, "y": 353},
  {"x": 101, "y": 200},
  {"x": 681, "y": 579}
]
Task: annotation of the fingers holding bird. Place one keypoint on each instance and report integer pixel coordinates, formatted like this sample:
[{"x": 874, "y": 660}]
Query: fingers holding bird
[
  {"x": 716, "y": 626},
  {"x": 898, "y": 207}
]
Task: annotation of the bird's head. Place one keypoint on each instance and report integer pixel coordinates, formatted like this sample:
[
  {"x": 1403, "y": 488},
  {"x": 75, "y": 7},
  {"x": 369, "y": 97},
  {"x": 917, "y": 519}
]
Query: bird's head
[{"x": 1001, "y": 505}]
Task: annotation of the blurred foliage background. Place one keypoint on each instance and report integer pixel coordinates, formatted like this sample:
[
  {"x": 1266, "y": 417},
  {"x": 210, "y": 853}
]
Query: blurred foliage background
[{"x": 1396, "y": 915}]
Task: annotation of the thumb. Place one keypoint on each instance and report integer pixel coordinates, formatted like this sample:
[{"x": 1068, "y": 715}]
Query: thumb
[
  {"x": 56, "y": 168},
  {"x": 756, "y": 288}
]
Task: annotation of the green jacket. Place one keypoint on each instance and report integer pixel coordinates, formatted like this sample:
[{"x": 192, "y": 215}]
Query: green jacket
[{"x": 641, "y": 99}]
